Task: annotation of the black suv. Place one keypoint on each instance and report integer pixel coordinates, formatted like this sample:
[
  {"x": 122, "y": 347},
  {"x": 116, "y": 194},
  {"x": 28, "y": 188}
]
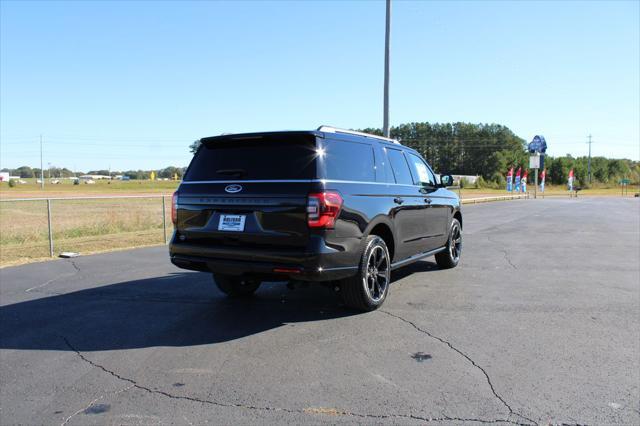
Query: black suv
[{"x": 334, "y": 206}]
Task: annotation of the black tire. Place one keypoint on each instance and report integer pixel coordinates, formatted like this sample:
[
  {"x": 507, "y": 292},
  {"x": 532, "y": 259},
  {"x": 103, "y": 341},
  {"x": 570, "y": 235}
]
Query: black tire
[
  {"x": 368, "y": 289},
  {"x": 236, "y": 286},
  {"x": 450, "y": 257}
]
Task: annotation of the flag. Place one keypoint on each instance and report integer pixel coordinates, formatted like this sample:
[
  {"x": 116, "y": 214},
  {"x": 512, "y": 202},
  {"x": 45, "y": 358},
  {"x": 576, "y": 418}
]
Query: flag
[
  {"x": 518, "y": 180},
  {"x": 570, "y": 180},
  {"x": 523, "y": 181},
  {"x": 542, "y": 176},
  {"x": 510, "y": 180}
]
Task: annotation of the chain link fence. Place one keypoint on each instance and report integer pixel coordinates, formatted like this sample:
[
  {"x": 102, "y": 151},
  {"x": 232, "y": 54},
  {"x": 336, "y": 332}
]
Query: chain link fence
[{"x": 33, "y": 228}]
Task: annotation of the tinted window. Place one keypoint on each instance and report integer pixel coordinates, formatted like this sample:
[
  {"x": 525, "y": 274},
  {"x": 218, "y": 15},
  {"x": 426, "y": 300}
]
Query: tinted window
[
  {"x": 349, "y": 161},
  {"x": 421, "y": 173},
  {"x": 400, "y": 167},
  {"x": 254, "y": 159}
]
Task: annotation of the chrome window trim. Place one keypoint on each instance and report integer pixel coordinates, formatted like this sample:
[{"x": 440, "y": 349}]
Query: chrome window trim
[
  {"x": 240, "y": 181},
  {"x": 323, "y": 181}
]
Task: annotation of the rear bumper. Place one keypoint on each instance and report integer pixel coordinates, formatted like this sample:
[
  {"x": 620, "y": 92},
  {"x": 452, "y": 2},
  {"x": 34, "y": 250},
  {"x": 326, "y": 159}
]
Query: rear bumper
[{"x": 317, "y": 262}]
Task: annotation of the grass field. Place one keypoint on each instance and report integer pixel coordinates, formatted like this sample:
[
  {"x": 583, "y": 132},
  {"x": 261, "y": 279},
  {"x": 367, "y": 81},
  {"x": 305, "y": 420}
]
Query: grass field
[
  {"x": 66, "y": 188},
  {"x": 84, "y": 226},
  {"x": 89, "y": 226}
]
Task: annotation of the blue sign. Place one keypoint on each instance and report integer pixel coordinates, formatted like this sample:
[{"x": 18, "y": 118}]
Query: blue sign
[{"x": 538, "y": 144}]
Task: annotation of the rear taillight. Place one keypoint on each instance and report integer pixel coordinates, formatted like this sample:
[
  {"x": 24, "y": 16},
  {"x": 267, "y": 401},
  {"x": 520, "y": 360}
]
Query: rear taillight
[
  {"x": 174, "y": 208},
  {"x": 323, "y": 209}
]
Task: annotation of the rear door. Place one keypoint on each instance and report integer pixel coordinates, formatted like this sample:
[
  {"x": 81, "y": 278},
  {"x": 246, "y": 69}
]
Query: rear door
[{"x": 249, "y": 191}]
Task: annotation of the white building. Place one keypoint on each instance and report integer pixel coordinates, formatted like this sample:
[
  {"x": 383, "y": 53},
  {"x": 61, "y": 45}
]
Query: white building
[{"x": 94, "y": 177}]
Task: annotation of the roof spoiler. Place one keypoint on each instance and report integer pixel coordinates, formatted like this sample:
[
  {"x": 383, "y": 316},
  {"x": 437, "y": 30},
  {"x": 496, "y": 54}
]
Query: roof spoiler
[{"x": 330, "y": 129}]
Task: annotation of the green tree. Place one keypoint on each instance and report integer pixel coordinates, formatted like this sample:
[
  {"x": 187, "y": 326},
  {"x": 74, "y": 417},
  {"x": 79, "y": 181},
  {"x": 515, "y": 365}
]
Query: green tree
[
  {"x": 462, "y": 148},
  {"x": 193, "y": 147},
  {"x": 26, "y": 172}
]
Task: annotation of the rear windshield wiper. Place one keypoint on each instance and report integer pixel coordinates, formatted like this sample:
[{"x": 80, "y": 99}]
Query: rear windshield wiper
[{"x": 238, "y": 173}]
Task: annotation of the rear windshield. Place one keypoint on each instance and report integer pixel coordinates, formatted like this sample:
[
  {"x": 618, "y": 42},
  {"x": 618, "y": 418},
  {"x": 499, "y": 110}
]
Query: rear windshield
[{"x": 263, "y": 158}]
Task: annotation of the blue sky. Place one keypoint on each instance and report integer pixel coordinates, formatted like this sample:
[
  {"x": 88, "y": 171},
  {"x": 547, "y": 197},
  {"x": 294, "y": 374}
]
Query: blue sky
[{"x": 131, "y": 84}]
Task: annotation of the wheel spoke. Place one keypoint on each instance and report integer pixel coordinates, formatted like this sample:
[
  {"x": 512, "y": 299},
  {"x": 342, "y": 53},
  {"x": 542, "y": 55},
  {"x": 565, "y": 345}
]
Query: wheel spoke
[{"x": 377, "y": 289}]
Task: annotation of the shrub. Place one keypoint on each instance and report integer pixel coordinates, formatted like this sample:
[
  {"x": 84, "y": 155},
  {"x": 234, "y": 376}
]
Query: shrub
[
  {"x": 12, "y": 183},
  {"x": 463, "y": 183},
  {"x": 499, "y": 180},
  {"x": 480, "y": 182}
]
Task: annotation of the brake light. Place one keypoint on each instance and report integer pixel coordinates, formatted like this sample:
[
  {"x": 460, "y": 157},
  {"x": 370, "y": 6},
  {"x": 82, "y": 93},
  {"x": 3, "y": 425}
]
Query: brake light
[
  {"x": 174, "y": 208},
  {"x": 323, "y": 209},
  {"x": 287, "y": 270}
]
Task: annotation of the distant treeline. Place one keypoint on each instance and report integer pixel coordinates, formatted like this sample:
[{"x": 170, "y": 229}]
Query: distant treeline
[
  {"x": 57, "y": 172},
  {"x": 490, "y": 150}
]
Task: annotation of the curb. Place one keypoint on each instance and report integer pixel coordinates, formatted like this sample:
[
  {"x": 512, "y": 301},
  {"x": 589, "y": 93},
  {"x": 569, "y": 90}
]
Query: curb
[{"x": 490, "y": 199}]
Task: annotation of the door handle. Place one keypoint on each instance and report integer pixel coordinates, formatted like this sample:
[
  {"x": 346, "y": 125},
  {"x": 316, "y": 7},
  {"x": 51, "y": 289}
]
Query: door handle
[
  {"x": 398, "y": 200},
  {"x": 427, "y": 200}
]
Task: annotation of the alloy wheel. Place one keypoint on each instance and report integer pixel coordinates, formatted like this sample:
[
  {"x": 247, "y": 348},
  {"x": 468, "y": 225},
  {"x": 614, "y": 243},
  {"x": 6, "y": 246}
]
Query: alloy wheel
[
  {"x": 455, "y": 242},
  {"x": 377, "y": 274}
]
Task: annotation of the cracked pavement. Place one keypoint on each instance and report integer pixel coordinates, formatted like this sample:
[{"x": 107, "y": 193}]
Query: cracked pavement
[{"x": 538, "y": 325}]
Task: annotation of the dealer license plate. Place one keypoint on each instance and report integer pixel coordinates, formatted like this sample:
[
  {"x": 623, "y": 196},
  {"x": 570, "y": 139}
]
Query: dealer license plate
[{"x": 231, "y": 222}]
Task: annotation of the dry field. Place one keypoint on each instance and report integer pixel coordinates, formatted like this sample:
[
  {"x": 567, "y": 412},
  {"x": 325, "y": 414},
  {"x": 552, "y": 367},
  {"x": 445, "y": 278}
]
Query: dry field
[
  {"x": 84, "y": 226},
  {"x": 66, "y": 189}
]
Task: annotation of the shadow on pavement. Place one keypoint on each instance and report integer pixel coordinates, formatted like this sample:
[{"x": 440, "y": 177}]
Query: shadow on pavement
[{"x": 179, "y": 309}]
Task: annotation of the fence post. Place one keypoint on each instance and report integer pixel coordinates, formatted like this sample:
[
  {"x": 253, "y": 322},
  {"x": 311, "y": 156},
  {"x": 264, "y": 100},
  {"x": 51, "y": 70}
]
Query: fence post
[
  {"x": 49, "y": 226},
  {"x": 164, "y": 219}
]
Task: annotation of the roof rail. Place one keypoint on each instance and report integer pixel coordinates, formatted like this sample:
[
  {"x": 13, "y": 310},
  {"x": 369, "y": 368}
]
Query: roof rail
[{"x": 330, "y": 129}]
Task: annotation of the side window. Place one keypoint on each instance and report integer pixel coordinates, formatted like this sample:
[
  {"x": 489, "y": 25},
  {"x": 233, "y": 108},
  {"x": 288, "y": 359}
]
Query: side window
[
  {"x": 399, "y": 166},
  {"x": 422, "y": 175},
  {"x": 349, "y": 161}
]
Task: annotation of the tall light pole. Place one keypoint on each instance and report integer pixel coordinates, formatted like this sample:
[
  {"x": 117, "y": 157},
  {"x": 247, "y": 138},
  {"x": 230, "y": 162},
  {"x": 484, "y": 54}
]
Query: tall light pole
[
  {"x": 387, "y": 34},
  {"x": 41, "y": 166}
]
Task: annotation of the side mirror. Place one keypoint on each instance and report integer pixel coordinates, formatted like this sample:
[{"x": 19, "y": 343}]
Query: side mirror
[{"x": 446, "y": 180}]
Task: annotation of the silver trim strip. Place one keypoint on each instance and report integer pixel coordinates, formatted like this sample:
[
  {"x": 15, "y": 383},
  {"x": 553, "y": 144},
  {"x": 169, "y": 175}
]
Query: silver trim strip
[
  {"x": 416, "y": 257},
  {"x": 339, "y": 268},
  {"x": 365, "y": 183},
  {"x": 331, "y": 129},
  {"x": 195, "y": 182},
  {"x": 323, "y": 181}
]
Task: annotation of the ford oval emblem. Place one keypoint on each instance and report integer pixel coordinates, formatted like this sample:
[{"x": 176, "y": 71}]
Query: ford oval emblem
[{"x": 233, "y": 188}]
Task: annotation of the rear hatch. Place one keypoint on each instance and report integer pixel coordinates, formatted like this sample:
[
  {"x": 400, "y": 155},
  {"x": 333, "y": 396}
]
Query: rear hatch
[{"x": 248, "y": 190}]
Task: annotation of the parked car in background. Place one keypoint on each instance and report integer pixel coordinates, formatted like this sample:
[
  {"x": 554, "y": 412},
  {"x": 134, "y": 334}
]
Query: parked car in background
[{"x": 330, "y": 206}]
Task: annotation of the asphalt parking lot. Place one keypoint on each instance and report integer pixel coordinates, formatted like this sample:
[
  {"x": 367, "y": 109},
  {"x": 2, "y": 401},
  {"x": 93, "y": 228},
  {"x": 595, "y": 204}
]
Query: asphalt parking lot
[{"x": 539, "y": 324}]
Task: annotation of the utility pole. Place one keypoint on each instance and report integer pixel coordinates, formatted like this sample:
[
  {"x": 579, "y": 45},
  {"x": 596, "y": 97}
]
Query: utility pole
[
  {"x": 387, "y": 34},
  {"x": 41, "y": 166},
  {"x": 589, "y": 163}
]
